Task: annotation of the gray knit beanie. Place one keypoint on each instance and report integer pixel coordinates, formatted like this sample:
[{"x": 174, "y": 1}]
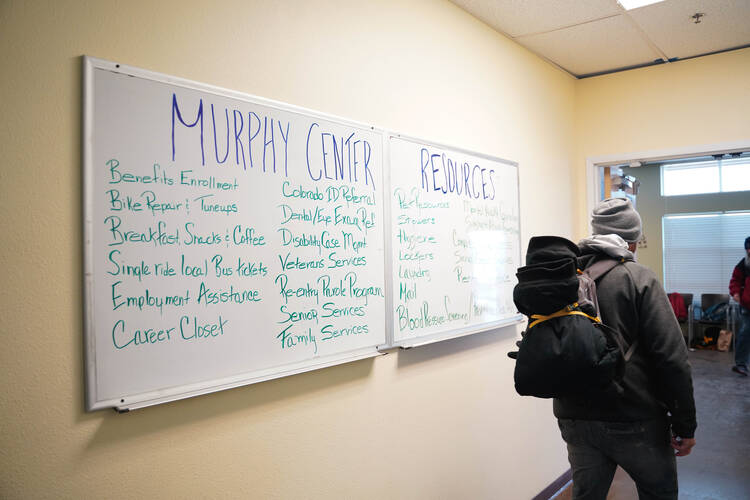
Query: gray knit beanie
[{"x": 617, "y": 216}]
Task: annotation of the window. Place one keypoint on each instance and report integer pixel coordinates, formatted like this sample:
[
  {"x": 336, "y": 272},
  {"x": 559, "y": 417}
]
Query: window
[
  {"x": 735, "y": 175},
  {"x": 701, "y": 250},
  {"x": 710, "y": 176}
]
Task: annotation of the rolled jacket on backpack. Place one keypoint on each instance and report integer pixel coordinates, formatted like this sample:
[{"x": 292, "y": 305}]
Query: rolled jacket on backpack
[
  {"x": 547, "y": 287},
  {"x": 549, "y": 281}
]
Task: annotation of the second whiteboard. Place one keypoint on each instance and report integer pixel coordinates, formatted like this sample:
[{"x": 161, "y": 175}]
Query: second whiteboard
[{"x": 455, "y": 241}]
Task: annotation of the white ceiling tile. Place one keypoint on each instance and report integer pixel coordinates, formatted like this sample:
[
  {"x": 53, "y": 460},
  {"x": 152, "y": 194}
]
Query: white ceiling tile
[
  {"x": 593, "y": 47},
  {"x": 525, "y": 17},
  {"x": 726, "y": 25}
]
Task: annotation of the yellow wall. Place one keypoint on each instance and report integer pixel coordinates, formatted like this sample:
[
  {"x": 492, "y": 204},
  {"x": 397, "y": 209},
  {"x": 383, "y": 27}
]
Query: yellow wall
[
  {"x": 696, "y": 102},
  {"x": 435, "y": 422}
]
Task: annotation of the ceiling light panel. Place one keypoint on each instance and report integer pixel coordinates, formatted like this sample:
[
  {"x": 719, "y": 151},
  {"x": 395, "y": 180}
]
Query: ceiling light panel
[{"x": 634, "y": 4}]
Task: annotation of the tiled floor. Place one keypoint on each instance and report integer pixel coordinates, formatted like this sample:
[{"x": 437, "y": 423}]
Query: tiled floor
[{"x": 719, "y": 466}]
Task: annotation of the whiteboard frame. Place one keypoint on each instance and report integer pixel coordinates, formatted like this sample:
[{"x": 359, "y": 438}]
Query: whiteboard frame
[
  {"x": 389, "y": 264},
  {"x": 134, "y": 401}
]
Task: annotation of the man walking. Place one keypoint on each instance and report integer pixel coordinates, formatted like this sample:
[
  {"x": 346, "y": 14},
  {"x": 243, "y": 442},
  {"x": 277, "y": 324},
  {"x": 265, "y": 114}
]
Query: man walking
[
  {"x": 739, "y": 289},
  {"x": 655, "y": 415}
]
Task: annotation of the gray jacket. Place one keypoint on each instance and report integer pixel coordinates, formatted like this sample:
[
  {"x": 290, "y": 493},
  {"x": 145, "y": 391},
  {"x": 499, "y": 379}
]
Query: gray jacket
[{"x": 657, "y": 378}]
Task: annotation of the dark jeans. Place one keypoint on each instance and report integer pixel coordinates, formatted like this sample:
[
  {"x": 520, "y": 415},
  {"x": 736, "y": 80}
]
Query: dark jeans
[
  {"x": 596, "y": 448},
  {"x": 742, "y": 346}
]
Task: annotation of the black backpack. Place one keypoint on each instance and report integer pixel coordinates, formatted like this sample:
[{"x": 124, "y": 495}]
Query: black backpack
[{"x": 565, "y": 351}]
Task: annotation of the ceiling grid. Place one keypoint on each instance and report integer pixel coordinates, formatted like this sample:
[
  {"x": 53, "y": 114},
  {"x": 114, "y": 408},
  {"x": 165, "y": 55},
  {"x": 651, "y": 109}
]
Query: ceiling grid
[{"x": 593, "y": 37}]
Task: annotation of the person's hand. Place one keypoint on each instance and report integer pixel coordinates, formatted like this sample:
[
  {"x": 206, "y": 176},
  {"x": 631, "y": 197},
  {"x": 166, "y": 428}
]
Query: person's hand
[{"x": 683, "y": 445}]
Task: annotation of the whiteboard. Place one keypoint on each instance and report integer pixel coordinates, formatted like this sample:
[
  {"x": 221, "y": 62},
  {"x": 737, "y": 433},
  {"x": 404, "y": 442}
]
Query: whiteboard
[
  {"x": 454, "y": 243},
  {"x": 229, "y": 239}
]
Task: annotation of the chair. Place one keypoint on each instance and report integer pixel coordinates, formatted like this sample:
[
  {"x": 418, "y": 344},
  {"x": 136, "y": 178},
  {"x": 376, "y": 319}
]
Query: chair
[{"x": 708, "y": 300}]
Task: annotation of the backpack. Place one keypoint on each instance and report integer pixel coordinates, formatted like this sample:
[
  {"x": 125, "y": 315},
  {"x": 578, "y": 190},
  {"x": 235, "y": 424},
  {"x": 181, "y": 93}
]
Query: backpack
[
  {"x": 716, "y": 313},
  {"x": 565, "y": 351}
]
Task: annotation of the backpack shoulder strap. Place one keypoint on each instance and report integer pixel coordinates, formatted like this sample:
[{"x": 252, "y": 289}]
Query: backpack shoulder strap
[
  {"x": 601, "y": 267},
  {"x": 596, "y": 271},
  {"x": 631, "y": 350}
]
